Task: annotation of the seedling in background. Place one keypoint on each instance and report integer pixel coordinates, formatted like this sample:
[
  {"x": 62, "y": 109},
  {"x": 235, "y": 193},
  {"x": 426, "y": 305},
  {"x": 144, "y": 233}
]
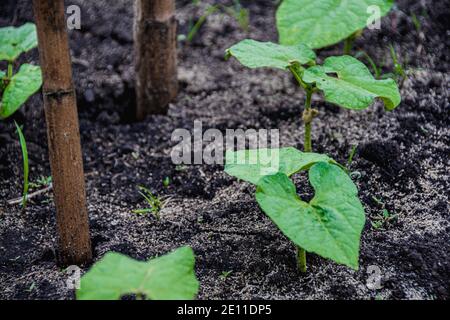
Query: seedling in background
[
  {"x": 196, "y": 27},
  {"x": 41, "y": 182},
  {"x": 416, "y": 22},
  {"x": 166, "y": 182},
  {"x": 322, "y": 23},
  {"x": 236, "y": 11},
  {"x": 169, "y": 277},
  {"x": 17, "y": 88},
  {"x": 154, "y": 202},
  {"x": 26, "y": 165},
  {"x": 241, "y": 14},
  {"x": 399, "y": 72},
  {"x": 330, "y": 225},
  {"x": 351, "y": 156},
  {"x": 379, "y": 221},
  {"x": 225, "y": 274},
  {"x": 375, "y": 69},
  {"x": 382, "y": 219}
]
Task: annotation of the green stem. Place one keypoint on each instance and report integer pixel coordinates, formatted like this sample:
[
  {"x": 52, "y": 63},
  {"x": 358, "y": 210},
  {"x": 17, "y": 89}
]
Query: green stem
[
  {"x": 348, "y": 45},
  {"x": 297, "y": 77},
  {"x": 308, "y": 115},
  {"x": 301, "y": 259},
  {"x": 308, "y": 127},
  {"x": 10, "y": 70}
]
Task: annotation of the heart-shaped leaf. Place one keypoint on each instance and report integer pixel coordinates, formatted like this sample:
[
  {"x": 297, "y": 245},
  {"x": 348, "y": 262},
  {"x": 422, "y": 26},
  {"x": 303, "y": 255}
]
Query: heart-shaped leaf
[
  {"x": 255, "y": 54},
  {"x": 22, "y": 86},
  {"x": 348, "y": 83},
  {"x": 2, "y": 74},
  {"x": 330, "y": 225},
  {"x": 15, "y": 41},
  {"x": 170, "y": 277},
  {"x": 252, "y": 165},
  {"x": 321, "y": 23}
]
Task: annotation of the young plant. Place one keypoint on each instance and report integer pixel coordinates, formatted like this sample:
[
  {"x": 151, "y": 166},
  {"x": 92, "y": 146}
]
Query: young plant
[
  {"x": 154, "y": 203},
  {"x": 26, "y": 166},
  {"x": 399, "y": 72},
  {"x": 321, "y": 23},
  {"x": 375, "y": 69},
  {"x": 236, "y": 11},
  {"x": 41, "y": 182},
  {"x": 343, "y": 80},
  {"x": 330, "y": 225},
  {"x": 241, "y": 14},
  {"x": 169, "y": 277},
  {"x": 17, "y": 88},
  {"x": 379, "y": 221}
]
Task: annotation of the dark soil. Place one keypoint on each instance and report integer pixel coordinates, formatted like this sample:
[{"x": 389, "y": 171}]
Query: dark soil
[{"x": 401, "y": 165}]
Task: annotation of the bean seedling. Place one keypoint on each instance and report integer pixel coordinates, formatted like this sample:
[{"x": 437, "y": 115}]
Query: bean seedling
[
  {"x": 16, "y": 89},
  {"x": 169, "y": 277},
  {"x": 330, "y": 225},
  {"x": 344, "y": 80}
]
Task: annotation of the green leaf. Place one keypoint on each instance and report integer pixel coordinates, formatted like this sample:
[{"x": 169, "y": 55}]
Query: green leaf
[
  {"x": 321, "y": 23},
  {"x": 22, "y": 86},
  {"x": 2, "y": 74},
  {"x": 26, "y": 166},
  {"x": 170, "y": 277},
  {"x": 330, "y": 225},
  {"x": 255, "y": 54},
  {"x": 347, "y": 82},
  {"x": 252, "y": 165},
  {"x": 15, "y": 41}
]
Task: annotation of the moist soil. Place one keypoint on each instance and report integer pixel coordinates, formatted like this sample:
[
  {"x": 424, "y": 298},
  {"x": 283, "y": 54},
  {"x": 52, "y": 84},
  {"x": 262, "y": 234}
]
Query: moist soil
[{"x": 401, "y": 163}]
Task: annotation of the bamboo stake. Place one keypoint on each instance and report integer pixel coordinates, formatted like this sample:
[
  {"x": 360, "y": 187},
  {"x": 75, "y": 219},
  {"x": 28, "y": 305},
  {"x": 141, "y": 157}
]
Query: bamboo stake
[
  {"x": 155, "y": 32},
  {"x": 63, "y": 133}
]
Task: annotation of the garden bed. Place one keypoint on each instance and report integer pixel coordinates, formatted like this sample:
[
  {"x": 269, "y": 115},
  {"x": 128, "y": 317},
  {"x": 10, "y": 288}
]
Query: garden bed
[{"x": 401, "y": 164}]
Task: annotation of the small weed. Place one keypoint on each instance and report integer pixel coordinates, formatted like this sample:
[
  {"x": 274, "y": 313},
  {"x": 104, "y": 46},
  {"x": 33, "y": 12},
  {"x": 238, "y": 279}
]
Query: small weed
[
  {"x": 381, "y": 220},
  {"x": 351, "y": 156},
  {"x": 224, "y": 275},
  {"x": 154, "y": 202},
  {"x": 41, "y": 182},
  {"x": 376, "y": 70},
  {"x": 378, "y": 201},
  {"x": 32, "y": 287},
  {"x": 399, "y": 73},
  {"x": 135, "y": 155},
  {"x": 237, "y": 11},
  {"x": 416, "y": 22},
  {"x": 166, "y": 182},
  {"x": 26, "y": 165},
  {"x": 181, "y": 168}
]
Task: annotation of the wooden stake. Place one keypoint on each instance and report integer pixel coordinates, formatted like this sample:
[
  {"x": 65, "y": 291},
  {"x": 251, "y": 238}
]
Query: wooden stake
[
  {"x": 63, "y": 133},
  {"x": 155, "y": 36}
]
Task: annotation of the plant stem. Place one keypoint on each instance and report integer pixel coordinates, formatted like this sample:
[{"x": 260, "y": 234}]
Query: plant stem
[
  {"x": 307, "y": 119},
  {"x": 308, "y": 115},
  {"x": 10, "y": 70},
  {"x": 301, "y": 259},
  {"x": 348, "y": 44}
]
